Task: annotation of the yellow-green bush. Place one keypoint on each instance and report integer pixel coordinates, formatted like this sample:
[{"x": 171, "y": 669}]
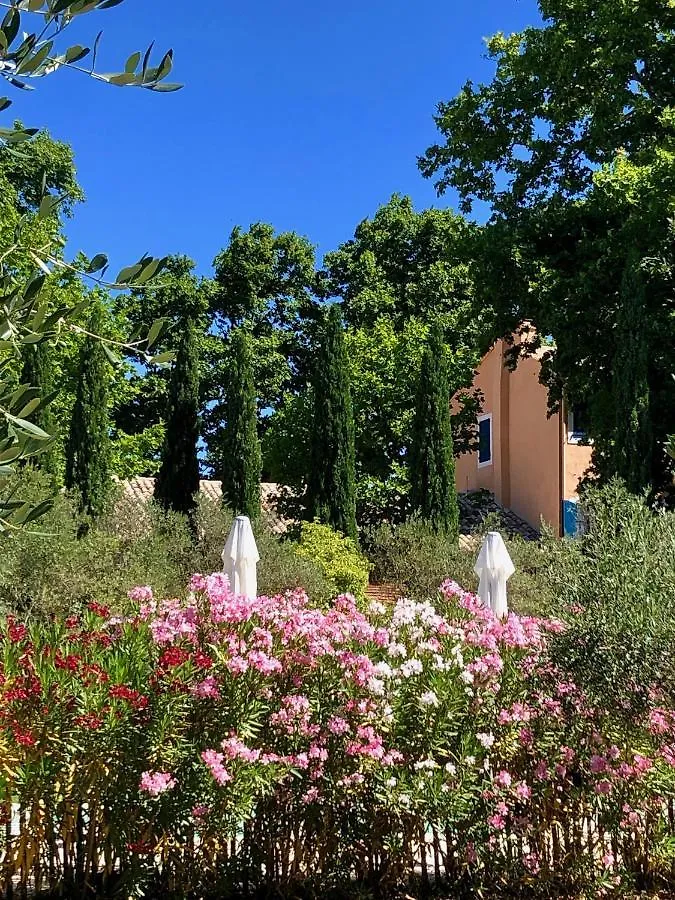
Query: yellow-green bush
[{"x": 337, "y": 556}]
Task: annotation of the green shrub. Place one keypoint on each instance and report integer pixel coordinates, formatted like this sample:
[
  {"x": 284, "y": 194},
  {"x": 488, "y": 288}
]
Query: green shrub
[
  {"x": 417, "y": 560},
  {"x": 280, "y": 568},
  {"x": 339, "y": 558},
  {"x": 615, "y": 588},
  {"x": 49, "y": 570}
]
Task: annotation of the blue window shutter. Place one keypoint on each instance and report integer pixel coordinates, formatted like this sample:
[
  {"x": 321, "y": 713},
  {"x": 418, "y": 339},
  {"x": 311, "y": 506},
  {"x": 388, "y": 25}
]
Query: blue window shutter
[
  {"x": 484, "y": 443},
  {"x": 571, "y": 519}
]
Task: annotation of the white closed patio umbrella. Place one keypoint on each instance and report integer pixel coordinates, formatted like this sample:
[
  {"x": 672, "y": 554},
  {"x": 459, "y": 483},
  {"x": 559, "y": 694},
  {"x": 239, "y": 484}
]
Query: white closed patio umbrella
[
  {"x": 240, "y": 559},
  {"x": 494, "y": 568}
]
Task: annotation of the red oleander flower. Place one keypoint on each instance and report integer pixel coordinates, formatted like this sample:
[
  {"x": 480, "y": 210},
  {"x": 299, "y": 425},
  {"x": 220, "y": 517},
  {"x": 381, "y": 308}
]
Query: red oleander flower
[
  {"x": 99, "y": 609},
  {"x": 89, "y": 720},
  {"x": 15, "y": 631},
  {"x": 122, "y": 692},
  {"x": 23, "y": 736},
  {"x": 99, "y": 674},
  {"x": 132, "y": 696},
  {"x": 70, "y": 663},
  {"x": 202, "y": 660},
  {"x": 173, "y": 656},
  {"x": 142, "y": 846},
  {"x": 24, "y": 688}
]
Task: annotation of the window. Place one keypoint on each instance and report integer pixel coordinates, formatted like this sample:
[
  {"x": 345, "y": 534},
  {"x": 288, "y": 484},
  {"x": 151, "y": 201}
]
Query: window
[
  {"x": 484, "y": 440},
  {"x": 577, "y": 423}
]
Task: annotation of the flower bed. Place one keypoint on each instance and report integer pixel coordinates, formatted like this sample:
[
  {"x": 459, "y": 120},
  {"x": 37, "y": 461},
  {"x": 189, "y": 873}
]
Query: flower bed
[{"x": 216, "y": 743}]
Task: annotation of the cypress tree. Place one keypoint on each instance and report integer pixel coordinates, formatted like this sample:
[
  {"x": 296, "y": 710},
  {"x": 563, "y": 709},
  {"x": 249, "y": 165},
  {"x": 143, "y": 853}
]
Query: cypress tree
[
  {"x": 241, "y": 457},
  {"x": 431, "y": 461},
  {"x": 37, "y": 372},
  {"x": 177, "y": 484},
  {"x": 88, "y": 446},
  {"x": 331, "y": 485},
  {"x": 633, "y": 438}
]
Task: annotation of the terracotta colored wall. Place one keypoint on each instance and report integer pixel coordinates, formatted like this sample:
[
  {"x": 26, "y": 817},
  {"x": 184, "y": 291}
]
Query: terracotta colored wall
[
  {"x": 535, "y": 448},
  {"x": 468, "y": 476},
  {"x": 525, "y": 473},
  {"x": 577, "y": 459}
]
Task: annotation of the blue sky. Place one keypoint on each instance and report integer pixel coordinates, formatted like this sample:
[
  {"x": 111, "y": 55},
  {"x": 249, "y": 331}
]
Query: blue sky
[{"x": 305, "y": 115}]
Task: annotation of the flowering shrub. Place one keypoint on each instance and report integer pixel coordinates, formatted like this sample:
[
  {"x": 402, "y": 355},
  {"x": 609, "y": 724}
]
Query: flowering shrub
[
  {"x": 216, "y": 743},
  {"x": 337, "y": 556}
]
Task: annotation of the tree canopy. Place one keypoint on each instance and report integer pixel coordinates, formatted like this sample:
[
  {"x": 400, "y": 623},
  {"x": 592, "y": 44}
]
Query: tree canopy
[
  {"x": 571, "y": 145},
  {"x": 31, "y": 247}
]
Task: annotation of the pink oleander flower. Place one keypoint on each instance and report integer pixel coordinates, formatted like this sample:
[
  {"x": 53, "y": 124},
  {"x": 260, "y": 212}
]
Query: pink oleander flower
[
  {"x": 668, "y": 753},
  {"x": 214, "y": 762},
  {"x": 206, "y": 688},
  {"x": 659, "y": 721},
  {"x": 155, "y": 783},
  {"x": 568, "y": 755},
  {"x": 337, "y": 725},
  {"x": 234, "y": 748},
  {"x": 532, "y": 863},
  {"x": 523, "y": 791},
  {"x": 503, "y": 779},
  {"x": 603, "y": 787},
  {"x": 631, "y": 817},
  {"x": 642, "y": 763},
  {"x": 200, "y": 810},
  {"x": 197, "y": 583},
  {"x": 497, "y": 822},
  {"x": 526, "y": 737},
  {"x": 237, "y": 665},
  {"x": 265, "y": 664},
  {"x": 598, "y": 764},
  {"x": 608, "y": 860}
]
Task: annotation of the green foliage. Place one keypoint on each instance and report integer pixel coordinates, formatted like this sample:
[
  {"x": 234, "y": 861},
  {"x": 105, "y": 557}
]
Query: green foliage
[
  {"x": 416, "y": 559},
  {"x": 615, "y": 588},
  {"x": 43, "y": 163},
  {"x": 571, "y": 145},
  {"x": 37, "y": 372},
  {"x": 331, "y": 489},
  {"x": 432, "y": 465},
  {"x": 55, "y": 569},
  {"x": 404, "y": 265},
  {"x": 240, "y": 459},
  {"x": 88, "y": 448},
  {"x": 286, "y": 441},
  {"x": 337, "y": 556},
  {"x": 34, "y": 54},
  {"x": 384, "y": 365},
  {"x": 177, "y": 483},
  {"x": 31, "y": 245},
  {"x": 632, "y": 444},
  {"x": 596, "y": 77},
  {"x": 402, "y": 271},
  {"x": 265, "y": 280},
  {"x": 142, "y": 401}
]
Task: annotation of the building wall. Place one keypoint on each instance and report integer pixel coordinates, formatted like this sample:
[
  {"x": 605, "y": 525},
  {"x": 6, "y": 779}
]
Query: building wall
[
  {"x": 468, "y": 476},
  {"x": 577, "y": 460},
  {"x": 530, "y": 453},
  {"x": 534, "y": 447}
]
